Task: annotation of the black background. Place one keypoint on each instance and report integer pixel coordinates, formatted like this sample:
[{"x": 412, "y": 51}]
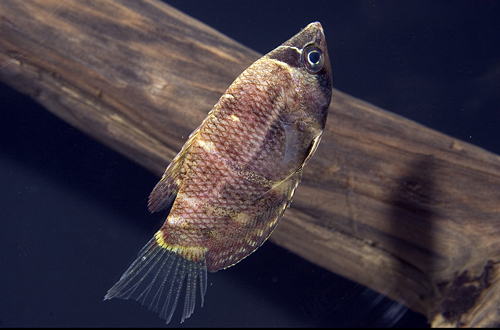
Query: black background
[{"x": 74, "y": 212}]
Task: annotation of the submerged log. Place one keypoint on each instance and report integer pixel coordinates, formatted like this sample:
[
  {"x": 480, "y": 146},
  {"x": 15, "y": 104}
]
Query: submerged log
[{"x": 400, "y": 208}]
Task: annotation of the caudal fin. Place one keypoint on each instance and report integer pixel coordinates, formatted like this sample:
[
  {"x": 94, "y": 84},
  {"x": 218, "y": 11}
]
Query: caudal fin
[{"x": 156, "y": 278}]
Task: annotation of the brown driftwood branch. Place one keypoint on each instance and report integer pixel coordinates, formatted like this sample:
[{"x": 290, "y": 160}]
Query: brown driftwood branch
[{"x": 400, "y": 208}]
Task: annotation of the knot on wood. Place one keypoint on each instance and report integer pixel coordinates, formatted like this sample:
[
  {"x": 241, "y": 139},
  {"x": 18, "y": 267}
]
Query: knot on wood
[{"x": 461, "y": 294}]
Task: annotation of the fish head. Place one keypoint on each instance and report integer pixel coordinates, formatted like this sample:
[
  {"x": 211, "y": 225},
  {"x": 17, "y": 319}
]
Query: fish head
[
  {"x": 306, "y": 93},
  {"x": 306, "y": 56}
]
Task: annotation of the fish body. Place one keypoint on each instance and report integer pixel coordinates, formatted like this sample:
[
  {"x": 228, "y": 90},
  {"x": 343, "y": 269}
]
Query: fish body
[{"x": 235, "y": 176}]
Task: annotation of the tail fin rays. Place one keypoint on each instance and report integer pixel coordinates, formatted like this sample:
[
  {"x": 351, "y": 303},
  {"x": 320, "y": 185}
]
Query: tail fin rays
[{"x": 156, "y": 276}]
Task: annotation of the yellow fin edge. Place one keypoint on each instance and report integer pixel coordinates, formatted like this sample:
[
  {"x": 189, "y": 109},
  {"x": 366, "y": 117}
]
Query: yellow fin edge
[{"x": 194, "y": 253}]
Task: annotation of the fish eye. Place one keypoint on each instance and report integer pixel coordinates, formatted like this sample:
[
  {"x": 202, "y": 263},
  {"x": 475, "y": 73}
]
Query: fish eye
[{"x": 313, "y": 59}]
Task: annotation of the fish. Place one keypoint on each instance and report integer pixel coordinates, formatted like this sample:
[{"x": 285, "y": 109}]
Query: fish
[{"x": 235, "y": 176}]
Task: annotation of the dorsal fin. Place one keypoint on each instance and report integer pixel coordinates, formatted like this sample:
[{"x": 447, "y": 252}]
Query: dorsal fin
[
  {"x": 164, "y": 192},
  {"x": 166, "y": 189}
]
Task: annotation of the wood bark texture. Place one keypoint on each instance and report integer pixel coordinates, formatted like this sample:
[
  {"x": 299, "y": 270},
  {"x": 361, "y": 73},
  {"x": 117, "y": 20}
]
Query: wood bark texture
[{"x": 400, "y": 208}]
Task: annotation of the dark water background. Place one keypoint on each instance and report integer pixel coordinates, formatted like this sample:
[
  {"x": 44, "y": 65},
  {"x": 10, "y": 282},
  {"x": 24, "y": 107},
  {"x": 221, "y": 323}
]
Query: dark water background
[{"x": 66, "y": 200}]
